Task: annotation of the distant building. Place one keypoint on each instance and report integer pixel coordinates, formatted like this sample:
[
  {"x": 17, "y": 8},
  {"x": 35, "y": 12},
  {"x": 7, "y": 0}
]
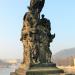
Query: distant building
[{"x": 12, "y": 61}]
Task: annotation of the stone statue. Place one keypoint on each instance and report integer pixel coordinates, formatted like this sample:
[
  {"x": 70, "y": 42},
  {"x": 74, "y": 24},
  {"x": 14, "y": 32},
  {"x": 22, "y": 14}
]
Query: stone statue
[
  {"x": 36, "y": 35},
  {"x": 36, "y": 38},
  {"x": 45, "y": 39}
]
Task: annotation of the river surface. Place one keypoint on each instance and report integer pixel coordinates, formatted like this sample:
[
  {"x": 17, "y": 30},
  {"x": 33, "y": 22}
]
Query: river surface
[{"x": 6, "y": 71}]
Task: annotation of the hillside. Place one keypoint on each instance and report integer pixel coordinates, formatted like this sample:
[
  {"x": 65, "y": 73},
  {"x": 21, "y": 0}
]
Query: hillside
[{"x": 64, "y": 53}]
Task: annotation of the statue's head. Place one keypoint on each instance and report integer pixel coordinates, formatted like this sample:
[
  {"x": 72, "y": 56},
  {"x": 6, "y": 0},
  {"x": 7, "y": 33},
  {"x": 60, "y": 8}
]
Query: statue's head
[{"x": 43, "y": 16}]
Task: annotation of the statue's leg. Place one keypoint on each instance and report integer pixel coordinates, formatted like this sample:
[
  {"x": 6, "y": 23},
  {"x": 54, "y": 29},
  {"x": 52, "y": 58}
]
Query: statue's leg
[
  {"x": 42, "y": 55},
  {"x": 49, "y": 56}
]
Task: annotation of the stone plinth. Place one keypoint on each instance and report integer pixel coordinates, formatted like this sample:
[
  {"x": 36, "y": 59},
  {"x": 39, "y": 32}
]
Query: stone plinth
[{"x": 44, "y": 69}]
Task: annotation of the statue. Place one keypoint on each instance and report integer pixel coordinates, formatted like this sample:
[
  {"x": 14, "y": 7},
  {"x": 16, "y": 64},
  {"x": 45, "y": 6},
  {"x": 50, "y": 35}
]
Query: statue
[
  {"x": 36, "y": 35},
  {"x": 45, "y": 39},
  {"x": 36, "y": 38}
]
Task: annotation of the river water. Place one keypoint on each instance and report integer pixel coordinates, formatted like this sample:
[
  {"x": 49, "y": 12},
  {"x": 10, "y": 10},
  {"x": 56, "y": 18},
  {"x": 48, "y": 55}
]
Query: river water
[{"x": 6, "y": 71}]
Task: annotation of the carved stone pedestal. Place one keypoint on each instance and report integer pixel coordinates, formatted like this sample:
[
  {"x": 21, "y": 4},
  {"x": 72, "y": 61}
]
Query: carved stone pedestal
[
  {"x": 44, "y": 69},
  {"x": 40, "y": 69}
]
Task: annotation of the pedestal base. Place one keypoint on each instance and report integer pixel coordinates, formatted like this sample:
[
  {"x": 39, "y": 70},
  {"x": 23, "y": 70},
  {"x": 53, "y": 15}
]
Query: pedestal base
[
  {"x": 44, "y": 69},
  {"x": 40, "y": 69}
]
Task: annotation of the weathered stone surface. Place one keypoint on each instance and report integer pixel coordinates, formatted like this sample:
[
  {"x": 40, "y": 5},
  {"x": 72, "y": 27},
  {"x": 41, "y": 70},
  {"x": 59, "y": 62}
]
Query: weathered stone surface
[
  {"x": 36, "y": 5},
  {"x": 44, "y": 69},
  {"x": 18, "y": 72},
  {"x": 36, "y": 38}
]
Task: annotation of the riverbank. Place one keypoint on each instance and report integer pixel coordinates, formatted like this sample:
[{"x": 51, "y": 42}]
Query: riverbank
[{"x": 68, "y": 69}]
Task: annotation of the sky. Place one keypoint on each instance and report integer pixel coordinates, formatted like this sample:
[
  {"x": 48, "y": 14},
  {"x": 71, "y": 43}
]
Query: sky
[{"x": 61, "y": 14}]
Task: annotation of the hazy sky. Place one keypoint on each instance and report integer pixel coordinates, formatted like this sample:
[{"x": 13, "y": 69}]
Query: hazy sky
[{"x": 60, "y": 12}]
